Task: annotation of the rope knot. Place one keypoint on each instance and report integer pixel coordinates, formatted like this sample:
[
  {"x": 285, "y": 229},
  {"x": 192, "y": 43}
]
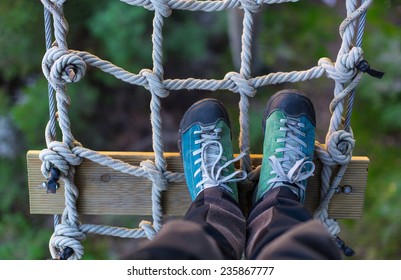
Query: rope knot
[
  {"x": 340, "y": 146},
  {"x": 155, "y": 84},
  {"x": 154, "y": 175},
  {"x": 251, "y": 5},
  {"x": 61, "y": 66},
  {"x": 346, "y": 64},
  {"x": 59, "y": 155},
  {"x": 148, "y": 229},
  {"x": 329, "y": 68},
  {"x": 66, "y": 235},
  {"x": 161, "y": 7},
  {"x": 242, "y": 85},
  {"x": 58, "y": 2}
]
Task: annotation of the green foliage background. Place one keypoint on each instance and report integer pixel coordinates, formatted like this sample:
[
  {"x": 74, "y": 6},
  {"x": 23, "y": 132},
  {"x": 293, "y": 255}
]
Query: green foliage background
[{"x": 293, "y": 37}]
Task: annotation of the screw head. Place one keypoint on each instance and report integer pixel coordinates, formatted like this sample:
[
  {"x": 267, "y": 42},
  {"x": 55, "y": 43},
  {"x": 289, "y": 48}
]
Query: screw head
[{"x": 347, "y": 189}]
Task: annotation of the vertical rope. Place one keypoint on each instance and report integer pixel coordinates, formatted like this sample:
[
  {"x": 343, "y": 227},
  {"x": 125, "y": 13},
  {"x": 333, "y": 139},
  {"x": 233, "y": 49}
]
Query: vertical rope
[
  {"x": 66, "y": 234},
  {"x": 155, "y": 105},
  {"x": 359, "y": 38},
  {"x": 50, "y": 92},
  {"x": 52, "y": 100},
  {"x": 340, "y": 142},
  {"x": 246, "y": 39},
  {"x": 157, "y": 55},
  {"x": 245, "y": 72}
]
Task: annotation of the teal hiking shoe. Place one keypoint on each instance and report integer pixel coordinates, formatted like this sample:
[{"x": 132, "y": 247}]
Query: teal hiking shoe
[
  {"x": 289, "y": 128},
  {"x": 206, "y": 149}
]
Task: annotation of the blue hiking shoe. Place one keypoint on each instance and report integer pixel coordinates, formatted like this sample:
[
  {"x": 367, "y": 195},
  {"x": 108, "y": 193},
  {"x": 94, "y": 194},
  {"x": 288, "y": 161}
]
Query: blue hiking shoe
[
  {"x": 289, "y": 128},
  {"x": 206, "y": 149}
]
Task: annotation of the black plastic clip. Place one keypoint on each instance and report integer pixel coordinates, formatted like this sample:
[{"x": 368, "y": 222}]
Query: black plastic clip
[
  {"x": 52, "y": 183},
  {"x": 364, "y": 66}
]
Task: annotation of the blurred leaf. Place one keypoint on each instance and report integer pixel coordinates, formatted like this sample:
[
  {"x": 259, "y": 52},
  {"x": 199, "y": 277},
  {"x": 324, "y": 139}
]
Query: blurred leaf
[
  {"x": 4, "y": 102},
  {"x": 20, "y": 240},
  {"x": 185, "y": 39},
  {"x": 21, "y": 35},
  {"x": 31, "y": 114},
  {"x": 124, "y": 40}
]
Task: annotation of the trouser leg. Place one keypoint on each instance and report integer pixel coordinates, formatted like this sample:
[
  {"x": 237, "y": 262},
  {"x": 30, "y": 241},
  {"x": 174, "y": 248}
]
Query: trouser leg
[
  {"x": 213, "y": 228},
  {"x": 279, "y": 227}
]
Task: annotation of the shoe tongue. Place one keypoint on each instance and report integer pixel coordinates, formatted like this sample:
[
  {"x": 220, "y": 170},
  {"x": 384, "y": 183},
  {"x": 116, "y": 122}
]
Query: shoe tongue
[
  {"x": 211, "y": 160},
  {"x": 289, "y": 154}
]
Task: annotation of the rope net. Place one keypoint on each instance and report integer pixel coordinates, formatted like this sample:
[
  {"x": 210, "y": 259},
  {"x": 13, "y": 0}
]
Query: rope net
[{"x": 62, "y": 65}]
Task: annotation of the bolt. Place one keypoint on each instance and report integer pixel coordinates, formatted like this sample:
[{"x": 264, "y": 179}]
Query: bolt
[
  {"x": 347, "y": 189},
  {"x": 105, "y": 178}
]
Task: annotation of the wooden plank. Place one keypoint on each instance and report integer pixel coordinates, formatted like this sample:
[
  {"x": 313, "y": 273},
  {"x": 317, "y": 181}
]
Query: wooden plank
[{"x": 105, "y": 191}]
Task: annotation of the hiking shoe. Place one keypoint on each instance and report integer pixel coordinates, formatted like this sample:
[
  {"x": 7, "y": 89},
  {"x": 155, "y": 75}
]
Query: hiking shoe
[
  {"x": 289, "y": 128},
  {"x": 206, "y": 149}
]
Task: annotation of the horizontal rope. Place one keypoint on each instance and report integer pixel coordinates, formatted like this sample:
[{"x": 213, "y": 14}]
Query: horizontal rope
[
  {"x": 227, "y": 83},
  {"x": 205, "y": 6}
]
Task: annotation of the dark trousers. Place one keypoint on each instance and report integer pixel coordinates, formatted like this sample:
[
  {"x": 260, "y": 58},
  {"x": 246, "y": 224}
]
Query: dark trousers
[{"x": 278, "y": 227}]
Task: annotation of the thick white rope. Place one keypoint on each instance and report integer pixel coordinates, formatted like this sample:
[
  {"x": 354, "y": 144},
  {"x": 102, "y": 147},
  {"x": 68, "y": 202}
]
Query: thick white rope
[
  {"x": 61, "y": 65},
  {"x": 339, "y": 143}
]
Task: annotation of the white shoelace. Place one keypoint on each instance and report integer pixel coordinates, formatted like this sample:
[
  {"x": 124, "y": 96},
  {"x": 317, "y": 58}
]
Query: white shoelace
[
  {"x": 212, "y": 163},
  {"x": 291, "y": 167}
]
